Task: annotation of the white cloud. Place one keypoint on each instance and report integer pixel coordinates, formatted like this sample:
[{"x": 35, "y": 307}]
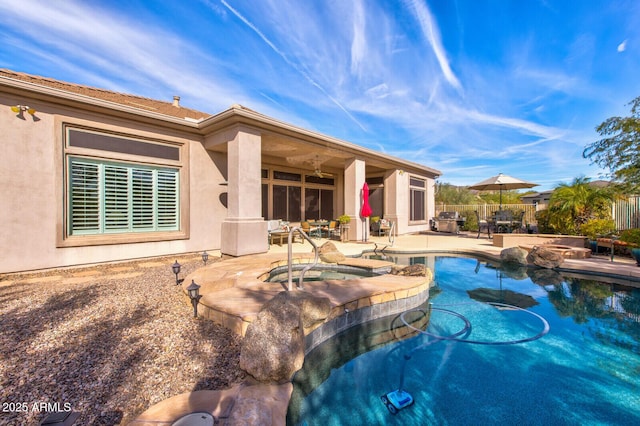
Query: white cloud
[
  {"x": 431, "y": 31},
  {"x": 291, "y": 63},
  {"x": 358, "y": 45},
  {"x": 380, "y": 91},
  {"x": 622, "y": 46}
]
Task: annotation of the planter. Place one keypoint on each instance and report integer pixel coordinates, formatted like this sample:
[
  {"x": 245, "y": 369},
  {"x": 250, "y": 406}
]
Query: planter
[
  {"x": 635, "y": 253},
  {"x": 344, "y": 232}
]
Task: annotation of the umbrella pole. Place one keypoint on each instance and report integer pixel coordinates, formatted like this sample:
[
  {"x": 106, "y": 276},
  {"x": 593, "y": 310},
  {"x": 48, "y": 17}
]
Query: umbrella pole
[{"x": 364, "y": 230}]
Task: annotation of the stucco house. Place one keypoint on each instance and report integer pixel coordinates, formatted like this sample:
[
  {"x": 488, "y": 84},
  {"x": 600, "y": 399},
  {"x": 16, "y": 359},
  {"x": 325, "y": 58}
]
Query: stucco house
[{"x": 90, "y": 175}]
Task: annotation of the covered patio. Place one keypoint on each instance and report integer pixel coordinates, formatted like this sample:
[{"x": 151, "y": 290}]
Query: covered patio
[{"x": 276, "y": 171}]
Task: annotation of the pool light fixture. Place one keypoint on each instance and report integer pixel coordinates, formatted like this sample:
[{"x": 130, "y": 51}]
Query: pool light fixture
[
  {"x": 205, "y": 257},
  {"x": 194, "y": 295},
  {"x": 176, "y": 270}
]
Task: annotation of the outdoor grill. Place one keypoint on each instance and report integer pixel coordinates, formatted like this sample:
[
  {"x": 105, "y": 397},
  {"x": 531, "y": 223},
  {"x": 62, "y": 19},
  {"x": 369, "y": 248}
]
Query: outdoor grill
[{"x": 448, "y": 222}]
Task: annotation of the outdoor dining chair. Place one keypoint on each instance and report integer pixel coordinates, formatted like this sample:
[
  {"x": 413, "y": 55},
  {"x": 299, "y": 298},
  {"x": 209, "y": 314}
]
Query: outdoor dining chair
[
  {"x": 332, "y": 229},
  {"x": 483, "y": 226},
  {"x": 312, "y": 231}
]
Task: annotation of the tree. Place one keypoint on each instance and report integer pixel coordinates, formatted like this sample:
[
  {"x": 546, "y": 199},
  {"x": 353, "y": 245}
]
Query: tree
[
  {"x": 510, "y": 196},
  {"x": 619, "y": 150},
  {"x": 574, "y": 204},
  {"x": 449, "y": 194}
]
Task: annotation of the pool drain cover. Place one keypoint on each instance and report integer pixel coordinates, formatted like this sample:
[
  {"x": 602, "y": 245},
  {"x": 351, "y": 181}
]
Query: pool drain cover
[{"x": 195, "y": 419}]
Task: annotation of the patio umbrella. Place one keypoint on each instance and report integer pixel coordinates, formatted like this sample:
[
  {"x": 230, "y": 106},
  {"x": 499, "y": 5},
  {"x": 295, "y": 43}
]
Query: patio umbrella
[
  {"x": 365, "y": 211},
  {"x": 501, "y": 182}
]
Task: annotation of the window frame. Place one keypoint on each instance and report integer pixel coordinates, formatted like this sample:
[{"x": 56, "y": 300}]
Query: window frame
[
  {"x": 270, "y": 182},
  {"x": 415, "y": 190},
  {"x": 127, "y": 197},
  {"x": 64, "y": 237}
]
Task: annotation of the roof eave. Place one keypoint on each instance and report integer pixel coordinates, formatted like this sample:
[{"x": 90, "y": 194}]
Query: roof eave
[
  {"x": 88, "y": 103},
  {"x": 233, "y": 116},
  {"x": 238, "y": 115}
]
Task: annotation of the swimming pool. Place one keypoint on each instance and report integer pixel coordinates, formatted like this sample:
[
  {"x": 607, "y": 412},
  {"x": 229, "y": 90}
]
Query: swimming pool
[{"x": 585, "y": 370}]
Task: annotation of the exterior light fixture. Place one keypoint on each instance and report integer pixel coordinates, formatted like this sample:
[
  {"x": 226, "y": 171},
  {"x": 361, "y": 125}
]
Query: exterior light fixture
[
  {"x": 176, "y": 270},
  {"x": 194, "y": 295},
  {"x": 205, "y": 257},
  {"x": 20, "y": 109}
]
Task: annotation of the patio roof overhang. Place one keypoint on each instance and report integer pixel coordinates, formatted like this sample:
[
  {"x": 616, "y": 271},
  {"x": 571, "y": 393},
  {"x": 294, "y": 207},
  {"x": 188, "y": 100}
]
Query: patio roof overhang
[{"x": 291, "y": 145}]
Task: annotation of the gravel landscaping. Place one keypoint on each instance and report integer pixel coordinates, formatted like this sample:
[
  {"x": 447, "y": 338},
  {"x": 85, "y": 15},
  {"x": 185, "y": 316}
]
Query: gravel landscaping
[{"x": 107, "y": 342}]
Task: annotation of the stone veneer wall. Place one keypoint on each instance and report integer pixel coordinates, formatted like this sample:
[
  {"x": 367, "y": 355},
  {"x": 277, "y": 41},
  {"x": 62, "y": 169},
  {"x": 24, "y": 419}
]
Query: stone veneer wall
[{"x": 515, "y": 240}]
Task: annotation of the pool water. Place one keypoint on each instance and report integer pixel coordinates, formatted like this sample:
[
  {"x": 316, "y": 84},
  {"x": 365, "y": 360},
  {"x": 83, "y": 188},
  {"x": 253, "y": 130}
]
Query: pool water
[
  {"x": 319, "y": 273},
  {"x": 585, "y": 370}
]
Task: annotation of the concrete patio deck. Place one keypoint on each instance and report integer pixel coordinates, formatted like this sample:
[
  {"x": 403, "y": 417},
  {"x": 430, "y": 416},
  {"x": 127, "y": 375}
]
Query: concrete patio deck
[{"x": 276, "y": 398}]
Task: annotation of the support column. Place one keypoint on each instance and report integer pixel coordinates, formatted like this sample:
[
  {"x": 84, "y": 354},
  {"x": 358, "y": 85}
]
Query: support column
[
  {"x": 396, "y": 187},
  {"x": 354, "y": 178},
  {"x": 244, "y": 231}
]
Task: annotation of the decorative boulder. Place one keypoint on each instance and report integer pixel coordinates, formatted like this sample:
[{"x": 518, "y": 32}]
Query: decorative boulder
[
  {"x": 514, "y": 255},
  {"x": 329, "y": 253},
  {"x": 545, "y": 258},
  {"x": 273, "y": 348},
  {"x": 415, "y": 270}
]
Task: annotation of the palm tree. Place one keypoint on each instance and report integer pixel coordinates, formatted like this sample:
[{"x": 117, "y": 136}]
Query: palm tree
[{"x": 573, "y": 204}]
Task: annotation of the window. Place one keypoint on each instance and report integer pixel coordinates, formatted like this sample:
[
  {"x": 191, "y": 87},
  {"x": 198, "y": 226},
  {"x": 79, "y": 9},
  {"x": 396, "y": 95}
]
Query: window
[
  {"x": 417, "y": 196},
  {"x": 376, "y": 200},
  {"x": 293, "y": 177},
  {"x": 318, "y": 203},
  {"x": 110, "y": 197},
  {"x": 286, "y": 203}
]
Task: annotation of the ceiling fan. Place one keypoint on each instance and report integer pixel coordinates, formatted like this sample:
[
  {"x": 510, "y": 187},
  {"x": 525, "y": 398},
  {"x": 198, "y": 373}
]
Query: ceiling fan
[
  {"x": 317, "y": 171},
  {"x": 313, "y": 161}
]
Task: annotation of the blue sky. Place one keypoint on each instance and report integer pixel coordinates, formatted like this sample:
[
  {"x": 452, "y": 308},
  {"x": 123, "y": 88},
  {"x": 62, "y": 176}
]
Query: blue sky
[{"x": 470, "y": 87}]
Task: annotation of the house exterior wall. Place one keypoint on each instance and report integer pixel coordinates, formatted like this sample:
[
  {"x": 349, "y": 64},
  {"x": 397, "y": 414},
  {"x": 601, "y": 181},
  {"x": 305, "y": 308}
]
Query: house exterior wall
[
  {"x": 397, "y": 201},
  {"x": 33, "y": 190},
  {"x": 219, "y": 186}
]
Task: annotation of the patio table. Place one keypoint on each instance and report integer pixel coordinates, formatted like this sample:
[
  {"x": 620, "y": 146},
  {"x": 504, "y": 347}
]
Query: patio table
[
  {"x": 316, "y": 227},
  {"x": 278, "y": 236},
  {"x": 503, "y": 222}
]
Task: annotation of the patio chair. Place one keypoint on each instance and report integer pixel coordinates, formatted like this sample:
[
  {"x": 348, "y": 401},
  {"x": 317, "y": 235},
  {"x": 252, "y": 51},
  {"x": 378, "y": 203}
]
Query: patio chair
[
  {"x": 309, "y": 230},
  {"x": 332, "y": 229},
  {"x": 272, "y": 226},
  {"x": 517, "y": 222},
  {"x": 375, "y": 227},
  {"x": 483, "y": 226}
]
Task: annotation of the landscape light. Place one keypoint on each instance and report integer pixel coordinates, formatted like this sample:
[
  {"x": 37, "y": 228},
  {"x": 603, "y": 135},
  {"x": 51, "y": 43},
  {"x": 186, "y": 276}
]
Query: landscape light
[
  {"x": 176, "y": 270},
  {"x": 194, "y": 295}
]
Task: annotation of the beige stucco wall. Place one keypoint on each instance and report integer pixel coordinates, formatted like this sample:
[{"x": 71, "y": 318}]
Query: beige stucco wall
[
  {"x": 31, "y": 191},
  {"x": 397, "y": 201}
]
